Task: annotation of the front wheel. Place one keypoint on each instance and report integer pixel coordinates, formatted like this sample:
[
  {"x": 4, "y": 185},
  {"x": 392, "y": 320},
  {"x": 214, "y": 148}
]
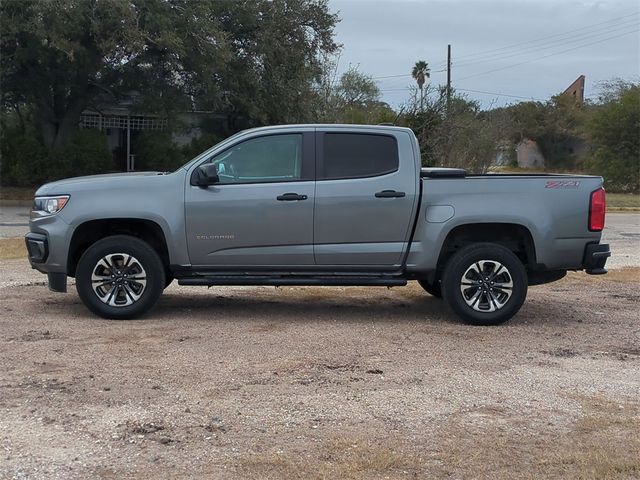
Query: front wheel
[
  {"x": 485, "y": 284},
  {"x": 120, "y": 277}
]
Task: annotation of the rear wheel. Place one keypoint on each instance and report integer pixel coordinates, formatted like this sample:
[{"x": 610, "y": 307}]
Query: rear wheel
[
  {"x": 434, "y": 289},
  {"x": 485, "y": 284},
  {"x": 120, "y": 277}
]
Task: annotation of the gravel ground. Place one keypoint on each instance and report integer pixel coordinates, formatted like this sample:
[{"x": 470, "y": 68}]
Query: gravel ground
[
  {"x": 323, "y": 382},
  {"x": 320, "y": 383}
]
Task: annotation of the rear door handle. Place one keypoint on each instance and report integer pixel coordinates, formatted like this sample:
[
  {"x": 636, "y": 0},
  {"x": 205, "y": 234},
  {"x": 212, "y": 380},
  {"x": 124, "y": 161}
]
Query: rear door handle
[
  {"x": 390, "y": 194},
  {"x": 289, "y": 197}
]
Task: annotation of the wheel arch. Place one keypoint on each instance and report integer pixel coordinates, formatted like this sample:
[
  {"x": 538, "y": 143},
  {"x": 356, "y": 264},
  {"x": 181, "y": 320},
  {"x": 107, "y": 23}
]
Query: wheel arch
[
  {"x": 513, "y": 236},
  {"x": 89, "y": 232}
]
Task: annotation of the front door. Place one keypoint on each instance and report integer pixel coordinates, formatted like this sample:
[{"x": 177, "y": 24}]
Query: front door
[
  {"x": 366, "y": 193},
  {"x": 260, "y": 213}
]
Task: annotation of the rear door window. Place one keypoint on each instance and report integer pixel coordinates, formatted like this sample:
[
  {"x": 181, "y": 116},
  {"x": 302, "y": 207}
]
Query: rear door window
[{"x": 356, "y": 155}]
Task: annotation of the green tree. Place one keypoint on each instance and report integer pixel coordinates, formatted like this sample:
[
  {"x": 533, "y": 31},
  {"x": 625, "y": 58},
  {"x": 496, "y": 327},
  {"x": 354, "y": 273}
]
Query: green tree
[
  {"x": 58, "y": 55},
  {"x": 356, "y": 99},
  {"x": 356, "y": 89},
  {"x": 614, "y": 133},
  {"x": 463, "y": 136},
  {"x": 278, "y": 48},
  {"x": 257, "y": 60}
]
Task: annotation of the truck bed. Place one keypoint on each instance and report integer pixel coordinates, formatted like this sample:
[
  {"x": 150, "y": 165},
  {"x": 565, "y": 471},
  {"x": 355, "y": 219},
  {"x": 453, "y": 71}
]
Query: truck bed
[{"x": 553, "y": 208}]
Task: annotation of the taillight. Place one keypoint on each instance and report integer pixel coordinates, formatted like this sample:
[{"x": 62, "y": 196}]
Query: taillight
[{"x": 597, "y": 208}]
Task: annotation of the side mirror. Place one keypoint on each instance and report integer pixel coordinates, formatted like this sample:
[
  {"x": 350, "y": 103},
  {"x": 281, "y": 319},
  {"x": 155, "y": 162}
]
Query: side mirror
[{"x": 206, "y": 175}]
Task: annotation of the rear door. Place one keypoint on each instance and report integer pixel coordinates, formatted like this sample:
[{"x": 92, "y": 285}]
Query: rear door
[{"x": 366, "y": 192}]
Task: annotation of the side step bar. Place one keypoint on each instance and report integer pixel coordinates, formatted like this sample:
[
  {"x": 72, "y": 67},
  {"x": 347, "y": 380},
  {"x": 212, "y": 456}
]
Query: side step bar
[{"x": 294, "y": 281}]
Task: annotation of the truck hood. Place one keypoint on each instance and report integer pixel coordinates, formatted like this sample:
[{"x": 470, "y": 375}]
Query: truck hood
[{"x": 67, "y": 185}]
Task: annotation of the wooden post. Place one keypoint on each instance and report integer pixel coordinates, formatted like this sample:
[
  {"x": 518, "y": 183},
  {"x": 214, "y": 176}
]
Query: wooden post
[
  {"x": 448, "y": 77},
  {"x": 129, "y": 166}
]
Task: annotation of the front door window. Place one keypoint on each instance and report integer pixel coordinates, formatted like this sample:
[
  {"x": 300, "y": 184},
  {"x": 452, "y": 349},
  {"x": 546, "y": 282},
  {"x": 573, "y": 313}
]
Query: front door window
[{"x": 277, "y": 158}]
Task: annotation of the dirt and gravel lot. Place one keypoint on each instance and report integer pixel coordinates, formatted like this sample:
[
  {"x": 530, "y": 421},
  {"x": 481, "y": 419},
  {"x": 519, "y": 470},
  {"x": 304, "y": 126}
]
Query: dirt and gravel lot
[{"x": 320, "y": 383}]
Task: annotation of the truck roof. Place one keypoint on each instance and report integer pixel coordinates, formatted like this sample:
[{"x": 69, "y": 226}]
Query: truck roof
[{"x": 330, "y": 125}]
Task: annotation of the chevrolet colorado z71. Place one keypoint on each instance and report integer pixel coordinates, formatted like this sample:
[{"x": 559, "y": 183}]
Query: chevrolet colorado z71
[{"x": 317, "y": 205}]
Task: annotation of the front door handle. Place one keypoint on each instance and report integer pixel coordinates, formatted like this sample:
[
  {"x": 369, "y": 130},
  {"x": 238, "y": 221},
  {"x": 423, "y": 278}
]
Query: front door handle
[
  {"x": 289, "y": 197},
  {"x": 390, "y": 194}
]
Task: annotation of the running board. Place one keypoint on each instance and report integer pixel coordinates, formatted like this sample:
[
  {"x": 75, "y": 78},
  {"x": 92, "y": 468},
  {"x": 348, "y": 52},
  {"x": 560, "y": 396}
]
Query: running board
[{"x": 294, "y": 281}]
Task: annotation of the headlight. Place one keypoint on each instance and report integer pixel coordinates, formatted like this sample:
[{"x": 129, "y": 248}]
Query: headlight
[{"x": 49, "y": 205}]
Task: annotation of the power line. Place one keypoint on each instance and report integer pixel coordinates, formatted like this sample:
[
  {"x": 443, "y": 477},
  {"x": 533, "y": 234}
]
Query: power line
[
  {"x": 485, "y": 52},
  {"x": 555, "y": 44},
  {"x": 405, "y": 75},
  {"x": 500, "y": 94},
  {"x": 395, "y": 85},
  {"x": 549, "y": 55},
  {"x": 391, "y": 76},
  {"x": 567, "y": 33},
  {"x": 399, "y": 89}
]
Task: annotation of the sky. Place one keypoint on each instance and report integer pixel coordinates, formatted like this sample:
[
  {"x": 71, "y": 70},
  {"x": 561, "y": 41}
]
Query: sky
[{"x": 524, "y": 48}]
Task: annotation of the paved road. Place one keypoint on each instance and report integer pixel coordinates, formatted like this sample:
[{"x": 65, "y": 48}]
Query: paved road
[
  {"x": 14, "y": 221},
  {"x": 622, "y": 232}
]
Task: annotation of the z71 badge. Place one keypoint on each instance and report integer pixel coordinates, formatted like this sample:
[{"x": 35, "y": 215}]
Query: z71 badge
[{"x": 562, "y": 184}]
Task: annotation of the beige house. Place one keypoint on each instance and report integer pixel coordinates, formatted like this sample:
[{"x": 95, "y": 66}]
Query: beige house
[{"x": 529, "y": 155}]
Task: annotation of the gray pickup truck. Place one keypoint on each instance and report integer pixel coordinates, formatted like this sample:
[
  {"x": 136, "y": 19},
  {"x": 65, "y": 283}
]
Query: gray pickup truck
[{"x": 332, "y": 205}]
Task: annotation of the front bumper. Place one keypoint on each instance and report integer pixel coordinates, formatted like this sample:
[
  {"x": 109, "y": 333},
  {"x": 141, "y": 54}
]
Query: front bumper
[
  {"x": 595, "y": 258},
  {"x": 38, "y": 253}
]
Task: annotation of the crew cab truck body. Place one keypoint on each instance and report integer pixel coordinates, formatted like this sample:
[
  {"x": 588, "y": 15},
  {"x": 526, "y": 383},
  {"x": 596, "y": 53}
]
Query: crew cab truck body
[{"x": 317, "y": 205}]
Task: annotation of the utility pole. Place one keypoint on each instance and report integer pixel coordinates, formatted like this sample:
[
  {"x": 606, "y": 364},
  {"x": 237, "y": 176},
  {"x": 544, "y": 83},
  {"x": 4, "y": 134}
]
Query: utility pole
[{"x": 448, "y": 77}]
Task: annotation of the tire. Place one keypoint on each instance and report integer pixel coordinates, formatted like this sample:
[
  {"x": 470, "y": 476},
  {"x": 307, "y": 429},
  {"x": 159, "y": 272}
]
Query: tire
[
  {"x": 120, "y": 277},
  {"x": 477, "y": 300},
  {"x": 168, "y": 280},
  {"x": 434, "y": 289}
]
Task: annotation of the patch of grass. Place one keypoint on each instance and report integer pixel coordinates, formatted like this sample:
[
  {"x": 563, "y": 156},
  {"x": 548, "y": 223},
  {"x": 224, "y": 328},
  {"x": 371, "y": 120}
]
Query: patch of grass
[
  {"x": 605, "y": 442},
  {"x": 485, "y": 443},
  {"x": 625, "y": 274},
  {"x": 601, "y": 462},
  {"x": 601, "y": 413},
  {"x": 601, "y": 444},
  {"x": 340, "y": 458},
  {"x": 12, "y": 248},
  {"x": 16, "y": 193},
  {"x": 623, "y": 202},
  {"x": 267, "y": 327}
]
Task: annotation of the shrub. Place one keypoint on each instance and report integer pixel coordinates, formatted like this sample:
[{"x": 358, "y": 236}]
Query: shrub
[
  {"x": 199, "y": 145},
  {"x": 156, "y": 151},
  {"x": 26, "y": 162},
  {"x": 614, "y": 131},
  {"x": 86, "y": 154}
]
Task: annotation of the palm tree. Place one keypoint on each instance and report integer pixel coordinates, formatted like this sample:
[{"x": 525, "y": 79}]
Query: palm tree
[{"x": 420, "y": 73}]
